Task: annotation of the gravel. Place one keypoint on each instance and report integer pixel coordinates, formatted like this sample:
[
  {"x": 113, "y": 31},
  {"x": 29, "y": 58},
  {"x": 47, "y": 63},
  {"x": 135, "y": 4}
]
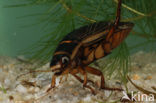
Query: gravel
[{"x": 32, "y": 88}]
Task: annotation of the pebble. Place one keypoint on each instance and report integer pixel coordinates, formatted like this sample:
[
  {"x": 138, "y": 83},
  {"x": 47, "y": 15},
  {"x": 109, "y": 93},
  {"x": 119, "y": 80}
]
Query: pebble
[
  {"x": 148, "y": 78},
  {"x": 136, "y": 77},
  {"x": 7, "y": 82},
  {"x": 87, "y": 98},
  {"x": 107, "y": 93},
  {"x": 37, "y": 89},
  {"x": 20, "y": 88},
  {"x": 57, "y": 81},
  {"x": 27, "y": 97}
]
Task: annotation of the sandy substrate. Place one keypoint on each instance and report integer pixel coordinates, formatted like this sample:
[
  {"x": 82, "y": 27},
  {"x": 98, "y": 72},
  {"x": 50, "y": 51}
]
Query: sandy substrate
[{"x": 32, "y": 88}]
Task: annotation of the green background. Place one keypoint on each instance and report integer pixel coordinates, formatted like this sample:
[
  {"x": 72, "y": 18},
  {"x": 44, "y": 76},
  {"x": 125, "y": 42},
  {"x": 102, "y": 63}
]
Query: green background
[
  {"x": 17, "y": 31},
  {"x": 14, "y": 36}
]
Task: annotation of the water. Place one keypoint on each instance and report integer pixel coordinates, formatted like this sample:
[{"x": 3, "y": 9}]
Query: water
[
  {"x": 13, "y": 36},
  {"x": 17, "y": 33}
]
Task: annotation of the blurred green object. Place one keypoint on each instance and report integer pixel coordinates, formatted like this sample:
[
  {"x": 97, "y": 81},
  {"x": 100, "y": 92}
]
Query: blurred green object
[
  {"x": 14, "y": 36},
  {"x": 3, "y": 89}
]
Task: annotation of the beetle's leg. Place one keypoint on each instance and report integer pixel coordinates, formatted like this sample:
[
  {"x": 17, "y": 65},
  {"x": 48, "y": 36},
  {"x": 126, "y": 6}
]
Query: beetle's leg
[
  {"x": 63, "y": 80},
  {"x": 116, "y": 21},
  {"x": 96, "y": 72},
  {"x": 74, "y": 72},
  {"x": 66, "y": 78},
  {"x": 52, "y": 82},
  {"x": 110, "y": 33},
  {"x": 84, "y": 73},
  {"x": 85, "y": 77},
  {"x": 99, "y": 73},
  {"x": 78, "y": 78},
  {"x": 118, "y": 13}
]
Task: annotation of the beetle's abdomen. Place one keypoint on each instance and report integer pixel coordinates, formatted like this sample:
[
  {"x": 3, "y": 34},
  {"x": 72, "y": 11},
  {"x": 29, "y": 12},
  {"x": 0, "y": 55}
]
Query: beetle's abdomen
[{"x": 104, "y": 46}]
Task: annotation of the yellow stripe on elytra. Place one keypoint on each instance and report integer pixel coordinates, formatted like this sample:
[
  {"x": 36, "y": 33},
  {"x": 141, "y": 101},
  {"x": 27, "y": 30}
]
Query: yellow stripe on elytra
[
  {"x": 68, "y": 41},
  {"x": 61, "y": 52},
  {"x": 87, "y": 40}
]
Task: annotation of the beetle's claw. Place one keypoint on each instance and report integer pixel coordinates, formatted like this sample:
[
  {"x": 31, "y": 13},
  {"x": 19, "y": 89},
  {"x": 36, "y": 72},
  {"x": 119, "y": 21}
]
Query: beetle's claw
[
  {"x": 90, "y": 81},
  {"x": 51, "y": 87}
]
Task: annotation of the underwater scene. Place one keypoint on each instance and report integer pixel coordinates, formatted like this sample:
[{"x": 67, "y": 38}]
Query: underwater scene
[{"x": 78, "y": 51}]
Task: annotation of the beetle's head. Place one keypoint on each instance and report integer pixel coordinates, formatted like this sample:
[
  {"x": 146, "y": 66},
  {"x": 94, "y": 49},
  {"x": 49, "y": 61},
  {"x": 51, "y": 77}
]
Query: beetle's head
[{"x": 59, "y": 63}]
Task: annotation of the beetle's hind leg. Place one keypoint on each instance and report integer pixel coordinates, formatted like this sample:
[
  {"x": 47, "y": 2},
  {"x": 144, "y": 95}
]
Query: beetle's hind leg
[{"x": 99, "y": 73}]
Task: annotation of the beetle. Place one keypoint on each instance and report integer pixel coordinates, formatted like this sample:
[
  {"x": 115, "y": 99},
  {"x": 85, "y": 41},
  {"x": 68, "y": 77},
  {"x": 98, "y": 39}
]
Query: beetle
[{"x": 83, "y": 46}]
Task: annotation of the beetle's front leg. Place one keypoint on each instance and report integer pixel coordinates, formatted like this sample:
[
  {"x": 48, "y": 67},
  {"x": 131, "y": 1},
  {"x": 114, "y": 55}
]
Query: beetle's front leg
[{"x": 53, "y": 81}]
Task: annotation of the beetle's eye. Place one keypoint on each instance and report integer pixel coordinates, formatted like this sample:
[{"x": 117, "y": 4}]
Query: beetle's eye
[{"x": 65, "y": 60}]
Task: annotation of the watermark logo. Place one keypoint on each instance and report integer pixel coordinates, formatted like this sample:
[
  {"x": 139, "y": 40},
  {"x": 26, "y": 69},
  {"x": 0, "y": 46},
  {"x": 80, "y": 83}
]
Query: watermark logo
[
  {"x": 125, "y": 96},
  {"x": 138, "y": 97}
]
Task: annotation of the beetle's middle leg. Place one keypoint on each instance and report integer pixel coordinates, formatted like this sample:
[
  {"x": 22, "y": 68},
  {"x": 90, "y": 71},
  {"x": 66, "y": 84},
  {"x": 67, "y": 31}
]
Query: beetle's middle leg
[
  {"x": 99, "y": 73},
  {"x": 75, "y": 71}
]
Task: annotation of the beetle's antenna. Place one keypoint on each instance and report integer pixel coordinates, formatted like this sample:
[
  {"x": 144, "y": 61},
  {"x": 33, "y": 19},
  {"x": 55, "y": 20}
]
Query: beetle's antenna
[{"x": 118, "y": 13}]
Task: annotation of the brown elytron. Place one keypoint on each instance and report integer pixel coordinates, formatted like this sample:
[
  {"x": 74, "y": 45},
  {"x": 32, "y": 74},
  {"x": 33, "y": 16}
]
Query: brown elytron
[{"x": 85, "y": 45}]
